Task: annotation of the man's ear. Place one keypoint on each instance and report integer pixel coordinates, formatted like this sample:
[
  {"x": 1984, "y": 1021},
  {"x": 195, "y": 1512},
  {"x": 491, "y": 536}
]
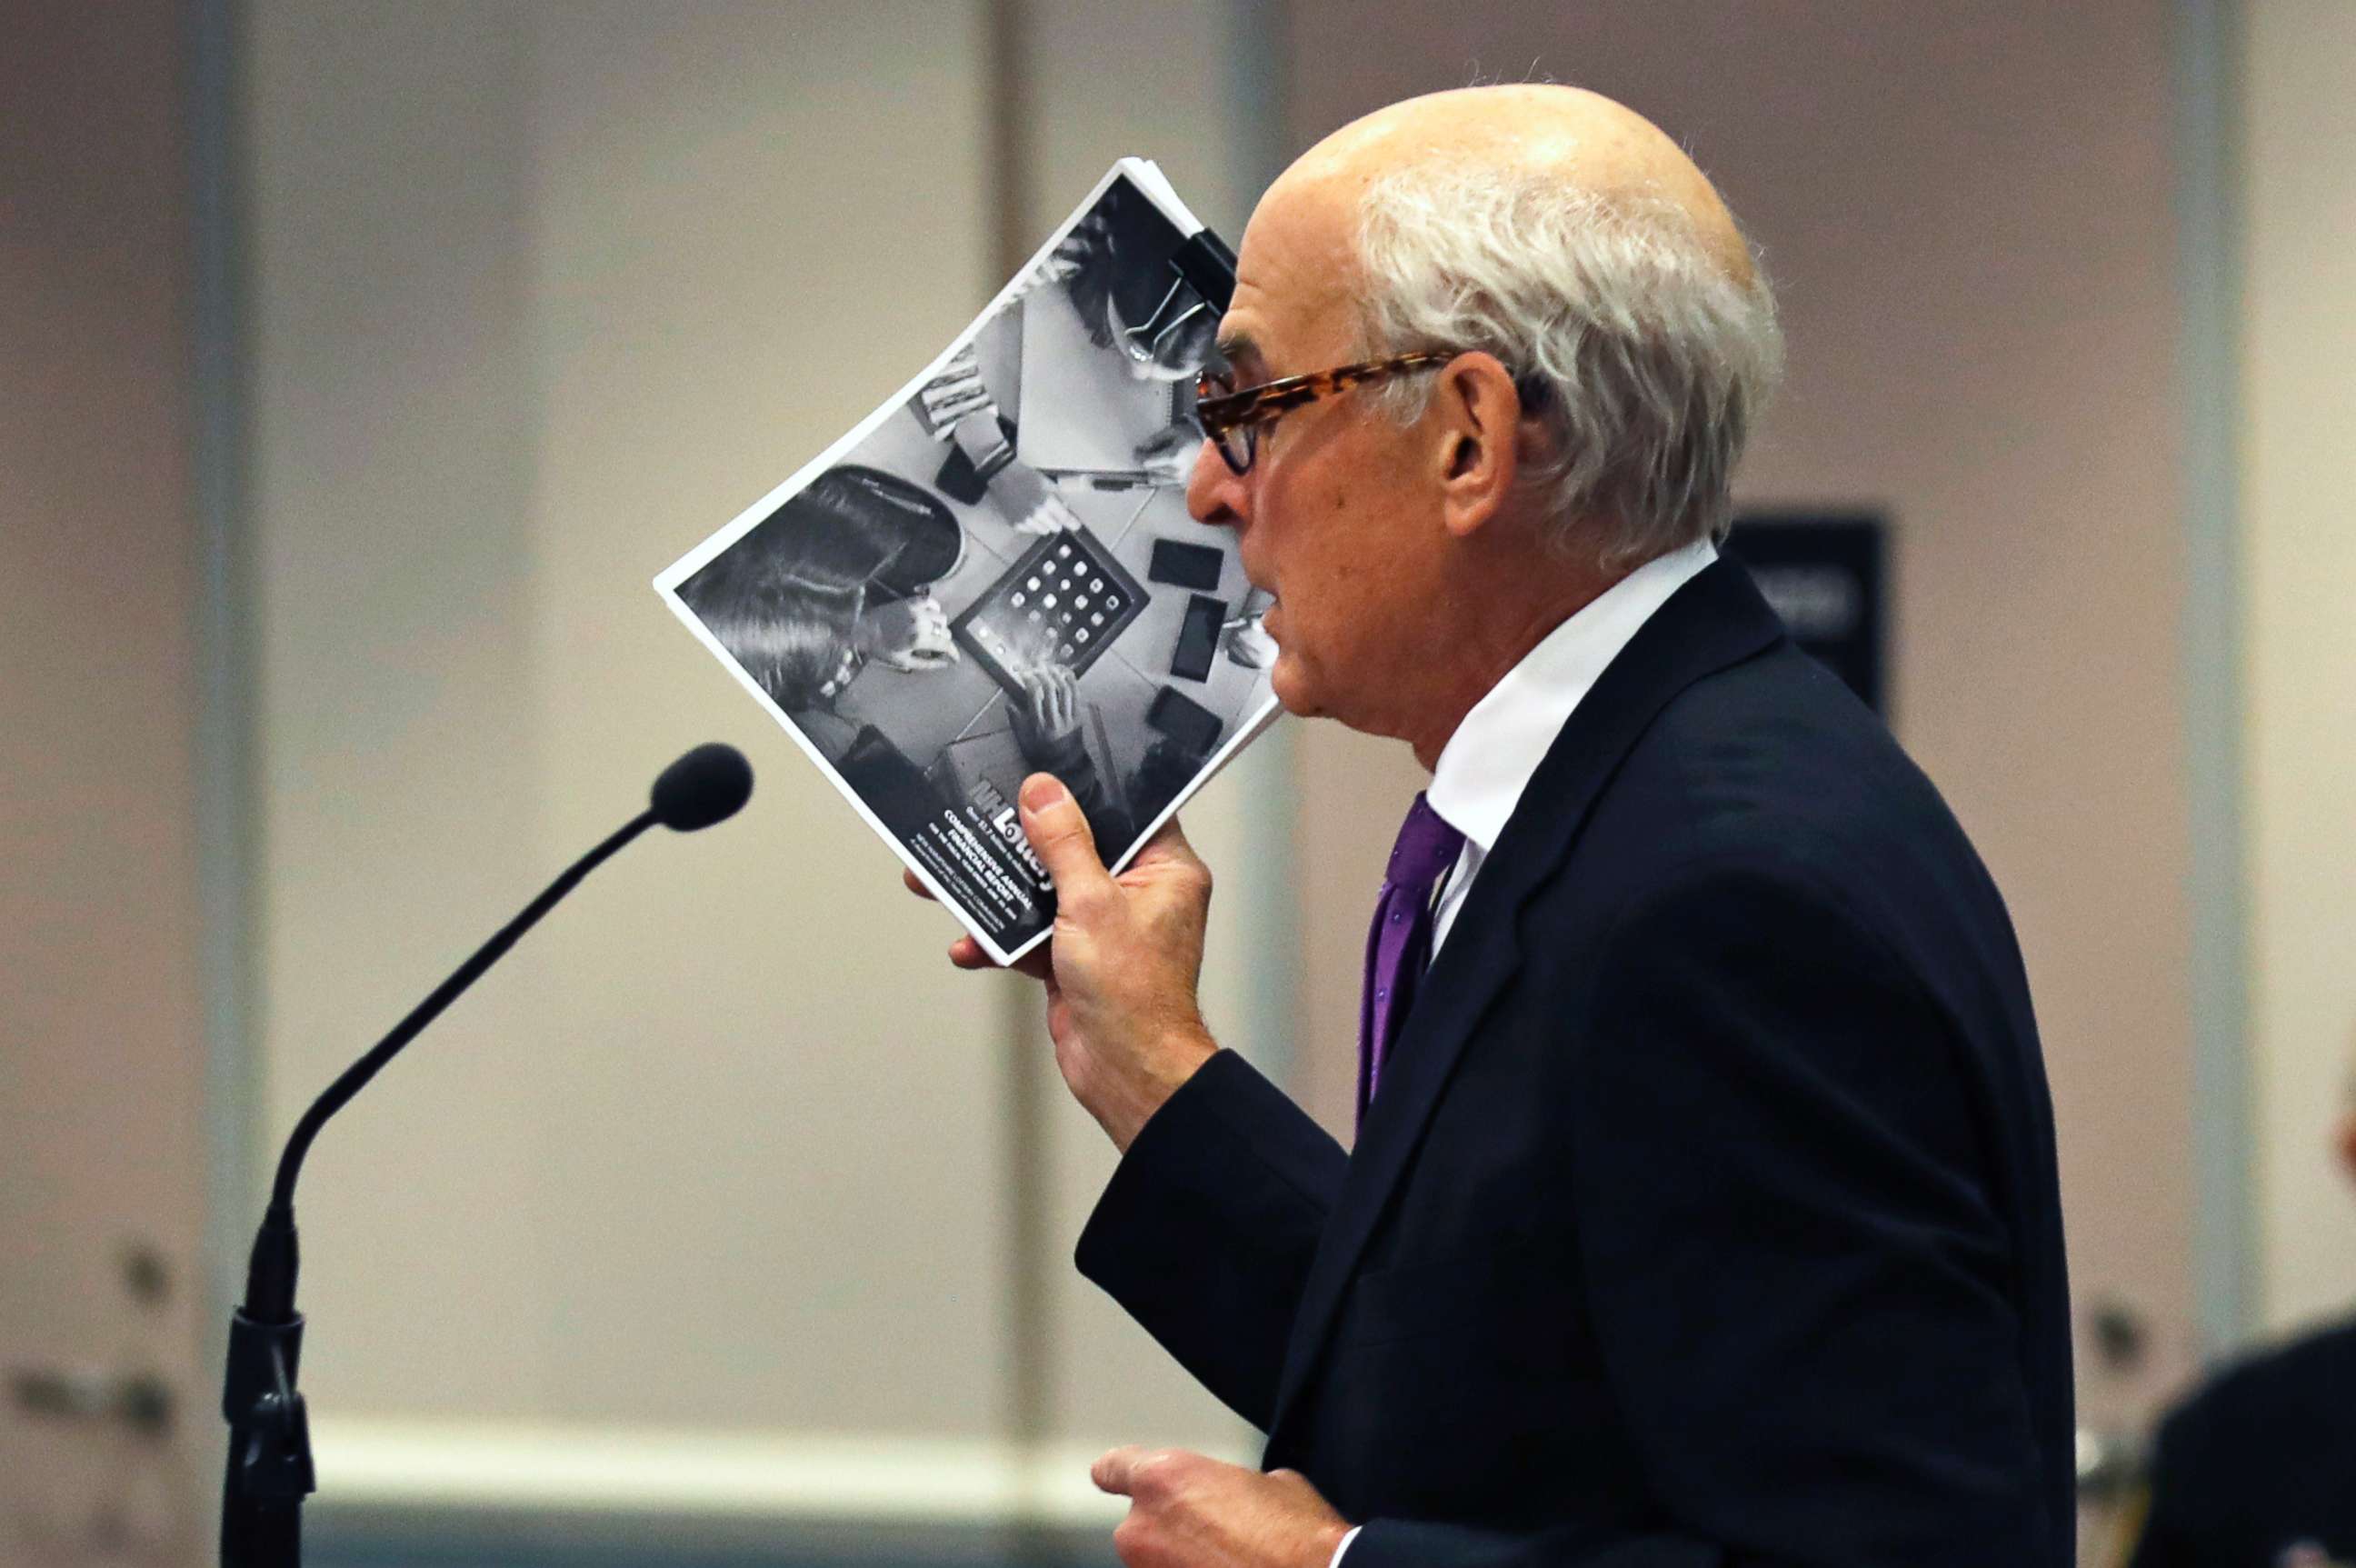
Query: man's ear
[
  {"x": 1477, "y": 428},
  {"x": 2346, "y": 1143}
]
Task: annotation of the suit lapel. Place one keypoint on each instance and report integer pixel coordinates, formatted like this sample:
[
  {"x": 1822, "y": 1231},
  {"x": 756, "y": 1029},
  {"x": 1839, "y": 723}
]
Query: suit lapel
[{"x": 1713, "y": 621}]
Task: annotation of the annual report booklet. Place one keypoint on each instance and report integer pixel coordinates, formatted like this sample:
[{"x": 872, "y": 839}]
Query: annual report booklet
[{"x": 994, "y": 574}]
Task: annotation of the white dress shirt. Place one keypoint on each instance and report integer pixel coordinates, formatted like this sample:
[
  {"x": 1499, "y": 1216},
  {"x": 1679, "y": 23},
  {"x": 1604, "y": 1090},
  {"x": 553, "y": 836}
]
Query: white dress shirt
[{"x": 1489, "y": 761}]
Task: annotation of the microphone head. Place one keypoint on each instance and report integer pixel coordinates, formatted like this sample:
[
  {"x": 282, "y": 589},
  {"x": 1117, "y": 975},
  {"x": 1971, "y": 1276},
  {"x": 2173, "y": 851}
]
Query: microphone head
[{"x": 709, "y": 784}]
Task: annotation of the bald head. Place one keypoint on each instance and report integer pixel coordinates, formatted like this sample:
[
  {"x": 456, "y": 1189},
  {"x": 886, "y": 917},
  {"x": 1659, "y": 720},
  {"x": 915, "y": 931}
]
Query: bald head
[
  {"x": 1569, "y": 238},
  {"x": 1579, "y": 139}
]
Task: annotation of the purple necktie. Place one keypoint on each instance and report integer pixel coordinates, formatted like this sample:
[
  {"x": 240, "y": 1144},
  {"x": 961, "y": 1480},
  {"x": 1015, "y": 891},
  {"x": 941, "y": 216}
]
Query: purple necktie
[{"x": 1399, "y": 944}]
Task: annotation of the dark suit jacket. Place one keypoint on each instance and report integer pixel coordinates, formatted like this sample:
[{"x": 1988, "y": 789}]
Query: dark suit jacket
[
  {"x": 1707, "y": 1214},
  {"x": 2260, "y": 1461}
]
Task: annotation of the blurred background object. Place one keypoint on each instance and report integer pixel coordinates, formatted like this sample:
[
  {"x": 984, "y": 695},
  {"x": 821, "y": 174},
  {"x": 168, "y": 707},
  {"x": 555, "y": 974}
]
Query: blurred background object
[
  {"x": 2258, "y": 1465},
  {"x": 361, "y": 363}
]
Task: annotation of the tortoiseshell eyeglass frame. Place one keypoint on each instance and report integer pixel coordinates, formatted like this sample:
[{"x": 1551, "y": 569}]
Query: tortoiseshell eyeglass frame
[{"x": 1234, "y": 419}]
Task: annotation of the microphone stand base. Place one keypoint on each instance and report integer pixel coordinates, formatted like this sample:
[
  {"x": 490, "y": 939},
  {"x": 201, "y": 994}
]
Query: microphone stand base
[{"x": 269, "y": 1469}]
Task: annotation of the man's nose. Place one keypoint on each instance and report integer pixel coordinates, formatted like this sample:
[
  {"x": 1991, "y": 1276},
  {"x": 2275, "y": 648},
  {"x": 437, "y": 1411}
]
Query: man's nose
[{"x": 1215, "y": 492}]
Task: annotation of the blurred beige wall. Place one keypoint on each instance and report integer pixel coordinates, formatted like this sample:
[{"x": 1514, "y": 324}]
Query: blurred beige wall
[
  {"x": 1966, "y": 211},
  {"x": 2297, "y": 167},
  {"x": 540, "y": 296},
  {"x": 101, "y": 1046}
]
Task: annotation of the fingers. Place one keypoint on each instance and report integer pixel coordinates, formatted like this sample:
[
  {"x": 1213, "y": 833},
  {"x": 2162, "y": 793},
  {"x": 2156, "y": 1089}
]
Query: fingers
[
  {"x": 1061, "y": 696},
  {"x": 921, "y": 639},
  {"x": 1059, "y": 836},
  {"x": 933, "y": 640},
  {"x": 967, "y": 954},
  {"x": 1169, "y": 843},
  {"x": 1036, "y": 964},
  {"x": 1170, "y": 455},
  {"x": 1116, "y": 1472}
]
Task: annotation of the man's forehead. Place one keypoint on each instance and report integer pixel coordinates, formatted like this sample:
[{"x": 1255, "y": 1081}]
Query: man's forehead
[{"x": 1295, "y": 274}]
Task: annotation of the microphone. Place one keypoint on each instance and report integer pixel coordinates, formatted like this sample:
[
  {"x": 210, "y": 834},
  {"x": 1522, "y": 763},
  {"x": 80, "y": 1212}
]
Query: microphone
[
  {"x": 709, "y": 784},
  {"x": 270, "y": 1470}
]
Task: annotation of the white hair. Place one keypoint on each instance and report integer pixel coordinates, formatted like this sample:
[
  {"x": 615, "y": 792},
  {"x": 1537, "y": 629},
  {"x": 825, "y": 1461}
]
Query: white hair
[{"x": 1645, "y": 364}]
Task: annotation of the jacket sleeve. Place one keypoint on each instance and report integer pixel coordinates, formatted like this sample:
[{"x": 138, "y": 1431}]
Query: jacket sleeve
[
  {"x": 1798, "y": 1279},
  {"x": 1205, "y": 1231}
]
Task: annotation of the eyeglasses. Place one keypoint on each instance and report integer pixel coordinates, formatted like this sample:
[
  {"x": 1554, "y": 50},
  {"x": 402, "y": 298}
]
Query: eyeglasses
[{"x": 1232, "y": 420}]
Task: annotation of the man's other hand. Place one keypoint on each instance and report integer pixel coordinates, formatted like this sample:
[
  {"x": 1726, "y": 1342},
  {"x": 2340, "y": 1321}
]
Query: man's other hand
[
  {"x": 1186, "y": 1510},
  {"x": 1123, "y": 965}
]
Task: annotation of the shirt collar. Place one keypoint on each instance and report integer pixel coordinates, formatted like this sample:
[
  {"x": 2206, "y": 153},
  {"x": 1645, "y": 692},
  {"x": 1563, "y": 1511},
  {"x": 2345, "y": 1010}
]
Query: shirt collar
[{"x": 1489, "y": 761}]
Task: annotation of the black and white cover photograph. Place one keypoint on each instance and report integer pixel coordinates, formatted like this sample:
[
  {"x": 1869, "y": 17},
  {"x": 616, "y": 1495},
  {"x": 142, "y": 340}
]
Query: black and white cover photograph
[{"x": 995, "y": 574}]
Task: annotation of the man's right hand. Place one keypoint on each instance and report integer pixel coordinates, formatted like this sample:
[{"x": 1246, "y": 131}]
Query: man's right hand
[{"x": 1122, "y": 966}]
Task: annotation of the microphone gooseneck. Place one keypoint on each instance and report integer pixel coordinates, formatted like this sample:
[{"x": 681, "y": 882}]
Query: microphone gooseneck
[
  {"x": 269, "y": 1457},
  {"x": 355, "y": 1076}
]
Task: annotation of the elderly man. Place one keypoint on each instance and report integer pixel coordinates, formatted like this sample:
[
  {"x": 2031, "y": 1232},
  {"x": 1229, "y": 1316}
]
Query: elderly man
[{"x": 1703, "y": 1207}]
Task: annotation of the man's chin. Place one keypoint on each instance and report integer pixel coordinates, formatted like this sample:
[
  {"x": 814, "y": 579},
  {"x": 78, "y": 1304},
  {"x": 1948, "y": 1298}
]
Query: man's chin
[{"x": 1293, "y": 689}]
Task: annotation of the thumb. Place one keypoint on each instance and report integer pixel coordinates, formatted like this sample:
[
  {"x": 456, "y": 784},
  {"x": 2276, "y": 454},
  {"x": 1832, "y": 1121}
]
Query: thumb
[{"x": 1059, "y": 835}]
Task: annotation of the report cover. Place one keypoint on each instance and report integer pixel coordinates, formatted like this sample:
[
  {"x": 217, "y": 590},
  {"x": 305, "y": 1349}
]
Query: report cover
[{"x": 994, "y": 574}]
